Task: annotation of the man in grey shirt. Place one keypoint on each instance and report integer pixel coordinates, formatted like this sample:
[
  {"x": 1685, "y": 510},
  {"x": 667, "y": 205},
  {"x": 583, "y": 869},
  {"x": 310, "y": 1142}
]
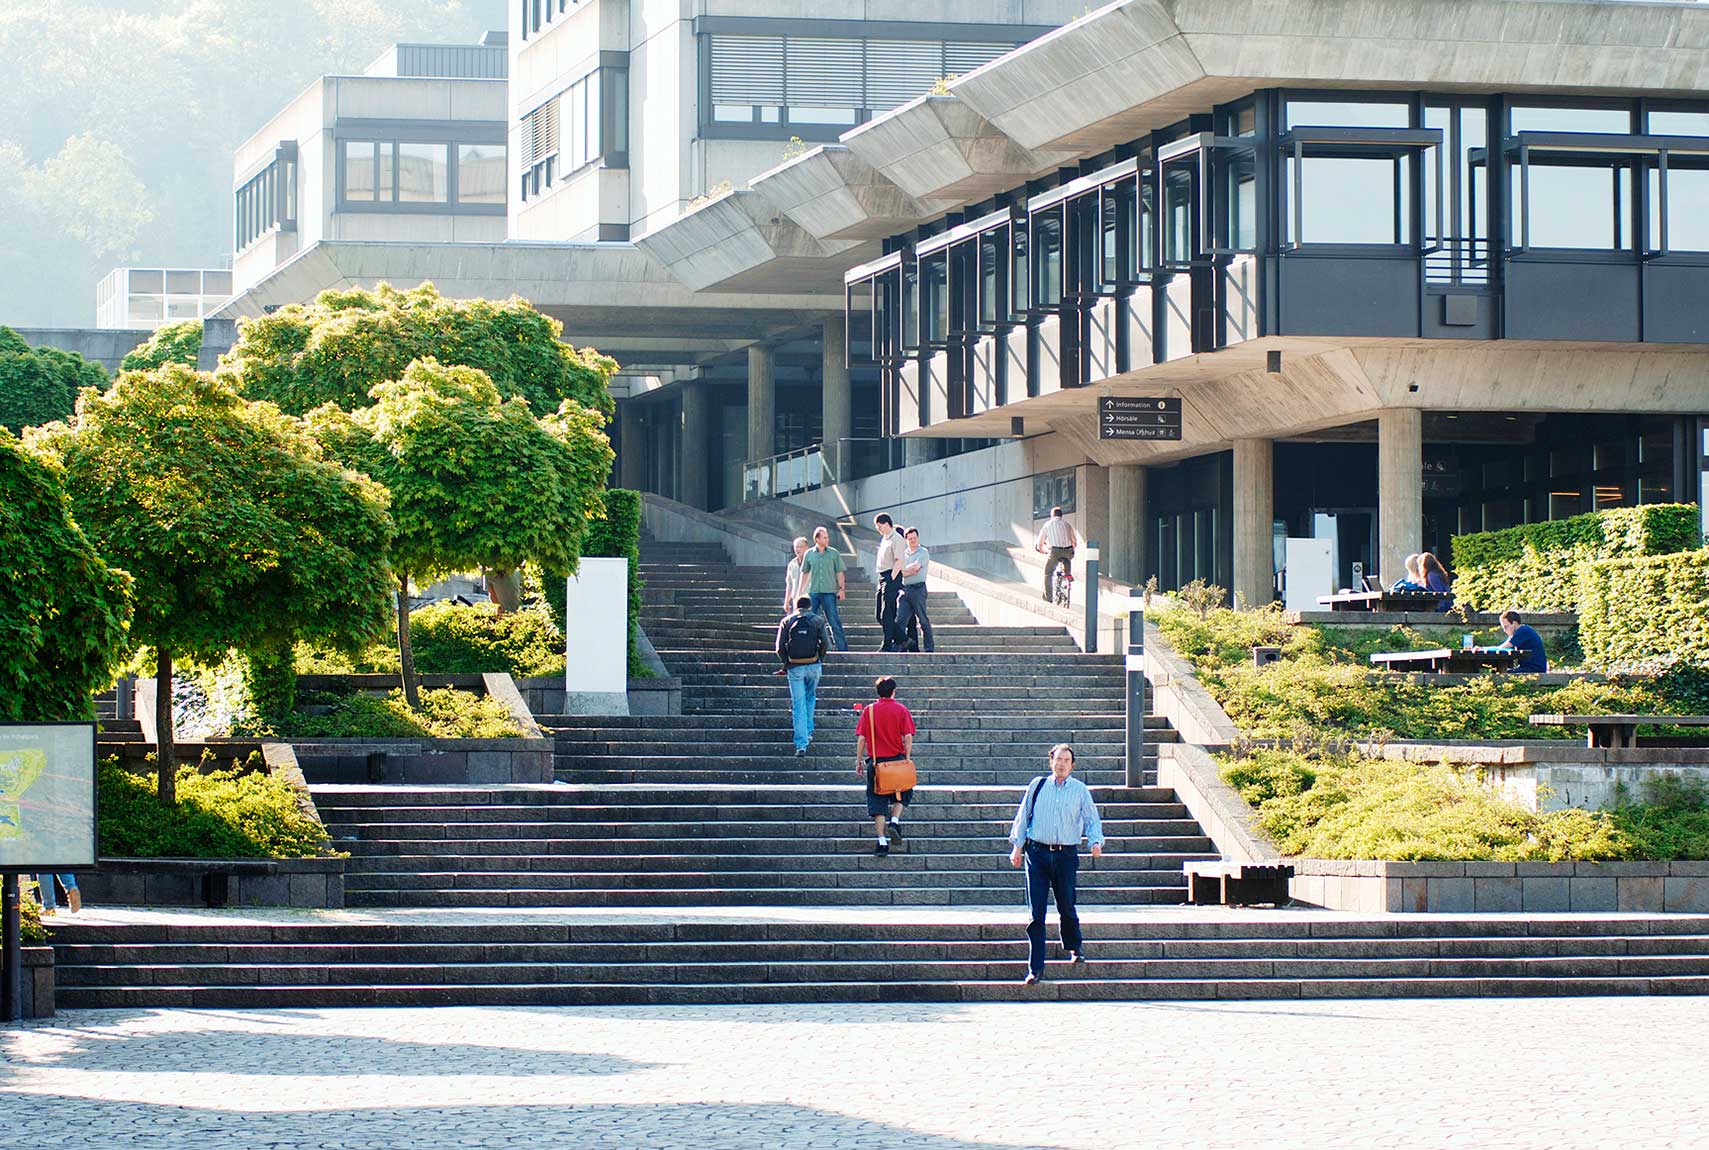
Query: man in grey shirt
[{"x": 911, "y": 606}]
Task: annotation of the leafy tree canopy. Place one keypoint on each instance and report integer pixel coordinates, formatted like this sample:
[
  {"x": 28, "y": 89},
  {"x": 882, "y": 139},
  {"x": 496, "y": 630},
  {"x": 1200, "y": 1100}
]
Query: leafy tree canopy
[
  {"x": 179, "y": 342},
  {"x": 475, "y": 479},
  {"x": 340, "y": 347},
  {"x": 237, "y": 530},
  {"x": 63, "y": 618},
  {"x": 40, "y": 384}
]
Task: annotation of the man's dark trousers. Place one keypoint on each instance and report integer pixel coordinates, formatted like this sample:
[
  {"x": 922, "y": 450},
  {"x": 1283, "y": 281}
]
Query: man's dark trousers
[
  {"x": 888, "y": 586},
  {"x": 1051, "y": 872}
]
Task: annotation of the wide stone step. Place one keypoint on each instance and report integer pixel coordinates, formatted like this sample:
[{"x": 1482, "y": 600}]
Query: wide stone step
[
  {"x": 832, "y": 877},
  {"x": 664, "y": 899},
  {"x": 523, "y": 798},
  {"x": 848, "y": 853},
  {"x": 974, "y": 724},
  {"x": 993, "y": 830}
]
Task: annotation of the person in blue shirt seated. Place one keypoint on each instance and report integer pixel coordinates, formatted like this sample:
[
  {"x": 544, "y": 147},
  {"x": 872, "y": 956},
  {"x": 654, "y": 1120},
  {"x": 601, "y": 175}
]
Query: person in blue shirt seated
[
  {"x": 1526, "y": 641},
  {"x": 1413, "y": 580},
  {"x": 1436, "y": 579}
]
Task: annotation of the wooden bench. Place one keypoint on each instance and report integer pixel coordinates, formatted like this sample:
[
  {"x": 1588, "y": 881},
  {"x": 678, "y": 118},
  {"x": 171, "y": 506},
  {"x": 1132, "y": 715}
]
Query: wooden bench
[
  {"x": 1617, "y": 730},
  {"x": 1385, "y": 600},
  {"x": 1237, "y": 884},
  {"x": 1449, "y": 660}
]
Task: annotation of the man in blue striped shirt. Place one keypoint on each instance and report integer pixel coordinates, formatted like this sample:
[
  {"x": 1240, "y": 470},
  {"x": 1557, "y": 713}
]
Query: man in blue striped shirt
[{"x": 1056, "y": 811}]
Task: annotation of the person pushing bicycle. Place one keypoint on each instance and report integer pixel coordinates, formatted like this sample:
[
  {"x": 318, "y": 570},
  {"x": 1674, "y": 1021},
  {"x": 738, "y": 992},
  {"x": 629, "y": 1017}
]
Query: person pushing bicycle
[{"x": 1056, "y": 540}]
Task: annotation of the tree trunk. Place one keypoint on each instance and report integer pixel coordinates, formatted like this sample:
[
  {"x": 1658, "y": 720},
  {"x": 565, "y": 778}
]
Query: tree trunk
[
  {"x": 166, "y": 762},
  {"x": 504, "y": 588},
  {"x": 406, "y": 657}
]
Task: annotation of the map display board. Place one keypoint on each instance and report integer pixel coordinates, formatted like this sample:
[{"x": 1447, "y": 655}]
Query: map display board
[{"x": 47, "y": 796}]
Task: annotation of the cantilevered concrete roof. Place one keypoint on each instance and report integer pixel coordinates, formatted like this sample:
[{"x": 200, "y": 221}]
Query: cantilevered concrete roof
[{"x": 1138, "y": 65}]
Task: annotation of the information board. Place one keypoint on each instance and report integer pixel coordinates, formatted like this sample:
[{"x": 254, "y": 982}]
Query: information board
[
  {"x": 1139, "y": 417},
  {"x": 47, "y": 796}
]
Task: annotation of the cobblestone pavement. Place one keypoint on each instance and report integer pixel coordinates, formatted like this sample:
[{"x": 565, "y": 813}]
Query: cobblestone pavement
[{"x": 1508, "y": 1073}]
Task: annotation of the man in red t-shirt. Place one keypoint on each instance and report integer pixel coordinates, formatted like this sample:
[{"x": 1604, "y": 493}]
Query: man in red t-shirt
[{"x": 884, "y": 733}]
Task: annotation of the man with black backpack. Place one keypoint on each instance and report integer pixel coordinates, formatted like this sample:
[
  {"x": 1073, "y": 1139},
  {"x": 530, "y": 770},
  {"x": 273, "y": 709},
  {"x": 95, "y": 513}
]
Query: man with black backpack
[{"x": 802, "y": 641}]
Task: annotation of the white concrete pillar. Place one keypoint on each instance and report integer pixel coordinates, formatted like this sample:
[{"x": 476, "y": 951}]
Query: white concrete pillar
[
  {"x": 1254, "y": 510},
  {"x": 596, "y": 639},
  {"x": 696, "y": 437},
  {"x": 632, "y": 446},
  {"x": 1400, "y": 488},
  {"x": 1124, "y": 549},
  {"x": 838, "y": 397},
  {"x": 762, "y": 402}
]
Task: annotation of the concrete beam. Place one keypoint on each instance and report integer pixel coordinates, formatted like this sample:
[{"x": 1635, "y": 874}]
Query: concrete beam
[
  {"x": 831, "y": 193},
  {"x": 717, "y": 242},
  {"x": 939, "y": 148}
]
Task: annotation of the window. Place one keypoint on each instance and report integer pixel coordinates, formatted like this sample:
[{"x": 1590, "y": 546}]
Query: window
[
  {"x": 1047, "y": 258},
  {"x": 378, "y": 174},
  {"x": 827, "y": 83},
  {"x": 1679, "y": 203},
  {"x": 1670, "y": 123},
  {"x": 1460, "y": 254},
  {"x": 934, "y": 300},
  {"x": 1537, "y": 118},
  {"x": 1347, "y": 199},
  {"x": 424, "y": 174},
  {"x": 480, "y": 173},
  {"x": 993, "y": 279},
  {"x": 1180, "y": 210},
  {"x": 1020, "y": 276},
  {"x": 267, "y": 202},
  {"x": 1330, "y": 113},
  {"x": 1573, "y": 200},
  {"x": 585, "y": 123}
]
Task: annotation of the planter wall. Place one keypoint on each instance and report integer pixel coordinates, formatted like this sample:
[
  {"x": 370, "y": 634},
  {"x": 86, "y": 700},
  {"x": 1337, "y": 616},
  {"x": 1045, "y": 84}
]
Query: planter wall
[
  {"x": 1493, "y": 887},
  {"x": 314, "y": 884},
  {"x": 38, "y": 982},
  {"x": 419, "y": 762}
]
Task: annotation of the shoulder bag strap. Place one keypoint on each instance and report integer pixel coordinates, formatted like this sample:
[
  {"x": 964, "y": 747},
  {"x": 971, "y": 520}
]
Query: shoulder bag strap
[{"x": 1032, "y": 801}]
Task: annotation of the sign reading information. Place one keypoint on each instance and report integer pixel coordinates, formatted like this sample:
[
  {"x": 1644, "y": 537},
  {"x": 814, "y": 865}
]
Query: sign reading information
[
  {"x": 1131, "y": 417},
  {"x": 47, "y": 796}
]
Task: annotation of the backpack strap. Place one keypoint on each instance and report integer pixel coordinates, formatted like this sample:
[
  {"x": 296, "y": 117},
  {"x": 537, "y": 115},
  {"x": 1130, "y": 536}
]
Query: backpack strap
[{"x": 1032, "y": 801}]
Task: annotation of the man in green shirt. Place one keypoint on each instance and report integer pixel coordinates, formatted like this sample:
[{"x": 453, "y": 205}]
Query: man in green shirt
[{"x": 822, "y": 580}]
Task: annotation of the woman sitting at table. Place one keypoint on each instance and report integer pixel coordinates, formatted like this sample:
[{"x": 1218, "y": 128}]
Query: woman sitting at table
[
  {"x": 1413, "y": 580},
  {"x": 1436, "y": 579}
]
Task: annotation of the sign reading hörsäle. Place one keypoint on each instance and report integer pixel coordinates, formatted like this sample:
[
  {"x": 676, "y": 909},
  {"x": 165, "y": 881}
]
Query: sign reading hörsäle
[
  {"x": 47, "y": 796},
  {"x": 1139, "y": 417}
]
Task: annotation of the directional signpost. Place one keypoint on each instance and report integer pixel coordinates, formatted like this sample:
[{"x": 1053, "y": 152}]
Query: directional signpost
[{"x": 1133, "y": 417}]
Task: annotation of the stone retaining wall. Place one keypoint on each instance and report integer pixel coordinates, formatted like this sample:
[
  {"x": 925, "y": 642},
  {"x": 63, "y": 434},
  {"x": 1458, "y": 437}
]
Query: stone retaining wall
[
  {"x": 1549, "y": 776},
  {"x": 38, "y": 982},
  {"x": 1479, "y": 887},
  {"x": 314, "y": 883}
]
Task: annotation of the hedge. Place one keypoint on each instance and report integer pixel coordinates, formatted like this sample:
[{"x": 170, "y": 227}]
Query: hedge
[
  {"x": 617, "y": 536},
  {"x": 179, "y": 342},
  {"x": 453, "y": 639},
  {"x": 1636, "y": 611},
  {"x": 1534, "y": 567},
  {"x": 40, "y": 385}
]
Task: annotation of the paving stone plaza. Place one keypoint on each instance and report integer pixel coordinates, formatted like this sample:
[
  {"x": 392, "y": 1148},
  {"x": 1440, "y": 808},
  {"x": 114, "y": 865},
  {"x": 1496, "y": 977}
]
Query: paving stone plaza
[{"x": 1511, "y": 1073}]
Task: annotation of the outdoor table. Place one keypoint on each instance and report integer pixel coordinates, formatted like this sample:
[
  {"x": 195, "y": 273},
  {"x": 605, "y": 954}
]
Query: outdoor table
[
  {"x": 1449, "y": 660},
  {"x": 1617, "y": 730},
  {"x": 1385, "y": 600}
]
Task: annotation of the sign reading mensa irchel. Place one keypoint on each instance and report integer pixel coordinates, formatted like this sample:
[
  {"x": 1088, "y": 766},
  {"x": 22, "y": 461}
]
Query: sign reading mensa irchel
[{"x": 47, "y": 796}]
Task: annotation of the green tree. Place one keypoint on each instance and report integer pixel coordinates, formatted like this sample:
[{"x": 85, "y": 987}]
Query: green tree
[
  {"x": 40, "y": 384},
  {"x": 475, "y": 479},
  {"x": 238, "y": 531},
  {"x": 179, "y": 342},
  {"x": 340, "y": 347},
  {"x": 65, "y": 612}
]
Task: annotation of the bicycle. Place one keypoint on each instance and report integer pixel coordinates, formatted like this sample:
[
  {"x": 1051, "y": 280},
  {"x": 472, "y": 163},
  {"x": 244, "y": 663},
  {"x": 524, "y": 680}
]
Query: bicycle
[{"x": 1062, "y": 587}]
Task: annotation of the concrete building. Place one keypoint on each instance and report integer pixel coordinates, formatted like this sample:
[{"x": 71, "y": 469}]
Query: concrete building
[
  {"x": 1408, "y": 270},
  {"x": 142, "y": 299},
  {"x": 413, "y": 150}
]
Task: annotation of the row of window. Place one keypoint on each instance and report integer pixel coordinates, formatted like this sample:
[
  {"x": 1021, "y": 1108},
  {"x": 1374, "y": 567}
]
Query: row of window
[
  {"x": 410, "y": 172},
  {"x": 827, "y": 81},
  {"x": 539, "y": 14},
  {"x": 1363, "y": 174},
  {"x": 585, "y": 123},
  {"x": 267, "y": 202}
]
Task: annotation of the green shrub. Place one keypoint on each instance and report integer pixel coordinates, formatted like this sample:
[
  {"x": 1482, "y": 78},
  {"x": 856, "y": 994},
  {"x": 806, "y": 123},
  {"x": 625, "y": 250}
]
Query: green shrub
[
  {"x": 617, "y": 536},
  {"x": 40, "y": 385},
  {"x": 1351, "y": 807},
  {"x": 30, "y": 912},
  {"x": 235, "y": 813},
  {"x": 270, "y": 683},
  {"x": 179, "y": 342},
  {"x": 1535, "y": 567},
  {"x": 1324, "y": 683},
  {"x": 453, "y": 639},
  {"x": 446, "y": 713},
  {"x": 1636, "y": 610}
]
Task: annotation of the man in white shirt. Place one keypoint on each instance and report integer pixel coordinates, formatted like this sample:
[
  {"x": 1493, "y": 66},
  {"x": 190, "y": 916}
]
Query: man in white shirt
[
  {"x": 1057, "y": 540},
  {"x": 792, "y": 575},
  {"x": 889, "y": 583}
]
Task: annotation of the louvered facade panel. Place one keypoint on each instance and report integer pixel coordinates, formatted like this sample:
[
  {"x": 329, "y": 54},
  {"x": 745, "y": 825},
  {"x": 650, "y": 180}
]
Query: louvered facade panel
[
  {"x": 899, "y": 70},
  {"x": 747, "y": 69},
  {"x": 825, "y": 73},
  {"x": 963, "y": 56}
]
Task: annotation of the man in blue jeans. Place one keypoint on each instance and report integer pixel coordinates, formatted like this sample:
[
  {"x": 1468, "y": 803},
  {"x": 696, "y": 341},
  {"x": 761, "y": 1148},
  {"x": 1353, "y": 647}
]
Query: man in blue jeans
[
  {"x": 823, "y": 579},
  {"x": 1055, "y": 812},
  {"x": 802, "y": 640}
]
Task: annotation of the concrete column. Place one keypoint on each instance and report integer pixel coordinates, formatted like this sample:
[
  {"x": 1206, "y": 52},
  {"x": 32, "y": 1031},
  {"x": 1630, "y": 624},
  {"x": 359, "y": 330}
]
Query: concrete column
[
  {"x": 1092, "y": 507},
  {"x": 696, "y": 436},
  {"x": 632, "y": 446},
  {"x": 762, "y": 402},
  {"x": 1125, "y": 550},
  {"x": 1400, "y": 488},
  {"x": 1254, "y": 509},
  {"x": 838, "y": 398}
]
